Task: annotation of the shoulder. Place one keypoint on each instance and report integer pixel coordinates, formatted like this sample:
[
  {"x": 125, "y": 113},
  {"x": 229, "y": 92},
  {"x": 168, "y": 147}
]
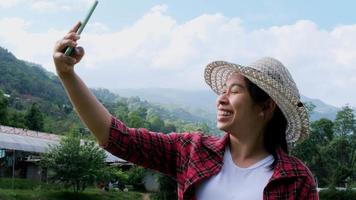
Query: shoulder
[
  {"x": 195, "y": 138},
  {"x": 291, "y": 176},
  {"x": 199, "y": 142},
  {"x": 290, "y": 166}
]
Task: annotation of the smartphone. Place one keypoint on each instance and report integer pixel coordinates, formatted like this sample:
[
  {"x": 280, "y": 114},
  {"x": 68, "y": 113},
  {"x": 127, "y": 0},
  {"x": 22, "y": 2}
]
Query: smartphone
[{"x": 69, "y": 50}]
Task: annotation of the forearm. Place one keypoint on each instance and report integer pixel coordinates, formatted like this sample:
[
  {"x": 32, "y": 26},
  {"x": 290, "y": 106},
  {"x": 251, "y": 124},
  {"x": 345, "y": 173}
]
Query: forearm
[{"x": 90, "y": 110}]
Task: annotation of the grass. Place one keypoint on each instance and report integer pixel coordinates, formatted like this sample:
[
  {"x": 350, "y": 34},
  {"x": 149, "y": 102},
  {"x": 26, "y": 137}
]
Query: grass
[
  {"x": 18, "y": 194},
  {"x": 337, "y": 195},
  {"x": 31, "y": 190}
]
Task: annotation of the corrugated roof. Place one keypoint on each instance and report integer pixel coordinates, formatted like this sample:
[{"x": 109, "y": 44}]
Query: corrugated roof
[
  {"x": 25, "y": 143},
  {"x": 38, "y": 145}
]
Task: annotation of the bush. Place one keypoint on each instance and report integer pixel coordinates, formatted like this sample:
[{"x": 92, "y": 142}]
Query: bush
[
  {"x": 119, "y": 175},
  {"x": 337, "y": 195},
  {"x": 75, "y": 163},
  {"x": 135, "y": 177}
]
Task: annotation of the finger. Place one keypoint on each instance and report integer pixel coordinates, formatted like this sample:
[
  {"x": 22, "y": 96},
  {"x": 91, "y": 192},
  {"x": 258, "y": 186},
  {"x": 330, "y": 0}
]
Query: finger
[
  {"x": 63, "y": 44},
  {"x": 75, "y": 28},
  {"x": 67, "y": 59},
  {"x": 56, "y": 55},
  {"x": 73, "y": 36},
  {"x": 60, "y": 57},
  {"x": 78, "y": 53}
]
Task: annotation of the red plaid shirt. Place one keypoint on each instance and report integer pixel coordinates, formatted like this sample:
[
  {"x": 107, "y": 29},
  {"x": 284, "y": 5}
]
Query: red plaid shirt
[{"x": 192, "y": 157}]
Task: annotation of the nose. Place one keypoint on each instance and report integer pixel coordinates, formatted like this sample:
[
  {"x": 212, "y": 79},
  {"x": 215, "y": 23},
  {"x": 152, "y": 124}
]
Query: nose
[{"x": 222, "y": 100}]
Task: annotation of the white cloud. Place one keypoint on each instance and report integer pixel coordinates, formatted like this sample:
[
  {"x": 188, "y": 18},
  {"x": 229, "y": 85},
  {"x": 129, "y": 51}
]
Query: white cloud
[
  {"x": 44, "y": 6},
  {"x": 47, "y": 6},
  {"x": 96, "y": 27},
  {"x": 27, "y": 45},
  {"x": 8, "y": 3},
  {"x": 157, "y": 51}
]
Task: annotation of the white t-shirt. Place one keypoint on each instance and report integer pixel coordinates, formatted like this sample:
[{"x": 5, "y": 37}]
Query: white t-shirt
[{"x": 236, "y": 183}]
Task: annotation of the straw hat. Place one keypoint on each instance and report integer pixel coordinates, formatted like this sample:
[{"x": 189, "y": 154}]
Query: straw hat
[{"x": 273, "y": 77}]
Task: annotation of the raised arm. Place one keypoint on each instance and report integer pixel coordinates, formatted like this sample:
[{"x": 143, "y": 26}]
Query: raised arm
[
  {"x": 149, "y": 149},
  {"x": 90, "y": 110}
]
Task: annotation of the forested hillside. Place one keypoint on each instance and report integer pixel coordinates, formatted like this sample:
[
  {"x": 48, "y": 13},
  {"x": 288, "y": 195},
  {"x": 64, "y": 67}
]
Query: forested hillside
[
  {"x": 34, "y": 98},
  {"x": 27, "y": 80}
]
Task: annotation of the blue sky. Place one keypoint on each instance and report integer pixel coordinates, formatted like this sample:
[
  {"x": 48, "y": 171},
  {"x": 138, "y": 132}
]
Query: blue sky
[
  {"x": 255, "y": 14},
  {"x": 172, "y": 41}
]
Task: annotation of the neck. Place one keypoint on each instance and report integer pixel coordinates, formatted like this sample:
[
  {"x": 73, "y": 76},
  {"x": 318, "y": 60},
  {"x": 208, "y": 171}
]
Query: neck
[{"x": 246, "y": 151}]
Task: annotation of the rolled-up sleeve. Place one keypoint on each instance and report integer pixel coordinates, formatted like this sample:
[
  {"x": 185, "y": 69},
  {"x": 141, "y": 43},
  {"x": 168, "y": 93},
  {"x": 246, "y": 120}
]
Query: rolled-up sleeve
[{"x": 152, "y": 150}]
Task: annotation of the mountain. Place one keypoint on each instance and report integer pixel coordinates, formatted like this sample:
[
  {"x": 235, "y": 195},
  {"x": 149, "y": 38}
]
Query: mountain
[
  {"x": 25, "y": 83},
  {"x": 165, "y": 111},
  {"x": 321, "y": 110},
  {"x": 199, "y": 102},
  {"x": 29, "y": 81},
  {"x": 202, "y": 102}
]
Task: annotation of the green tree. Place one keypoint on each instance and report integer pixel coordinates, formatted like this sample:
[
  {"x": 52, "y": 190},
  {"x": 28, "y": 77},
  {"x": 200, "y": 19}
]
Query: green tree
[
  {"x": 75, "y": 163},
  {"x": 119, "y": 175},
  {"x": 169, "y": 127},
  {"x": 3, "y": 108},
  {"x": 322, "y": 131},
  {"x": 121, "y": 111},
  {"x": 193, "y": 127},
  {"x": 340, "y": 154},
  {"x": 135, "y": 177},
  {"x": 156, "y": 123},
  {"x": 345, "y": 146},
  {"x": 136, "y": 121},
  {"x": 34, "y": 118},
  {"x": 142, "y": 112},
  {"x": 312, "y": 150},
  {"x": 345, "y": 122},
  {"x": 17, "y": 119}
]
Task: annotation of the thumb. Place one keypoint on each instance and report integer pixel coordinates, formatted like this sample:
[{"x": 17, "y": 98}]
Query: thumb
[{"x": 78, "y": 53}]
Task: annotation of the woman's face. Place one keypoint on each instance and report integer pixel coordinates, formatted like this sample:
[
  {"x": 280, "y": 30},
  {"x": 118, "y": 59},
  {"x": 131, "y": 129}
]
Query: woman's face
[{"x": 235, "y": 107}]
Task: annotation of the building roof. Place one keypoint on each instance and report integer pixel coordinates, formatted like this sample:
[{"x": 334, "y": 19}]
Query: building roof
[
  {"x": 37, "y": 142},
  {"x": 25, "y": 143}
]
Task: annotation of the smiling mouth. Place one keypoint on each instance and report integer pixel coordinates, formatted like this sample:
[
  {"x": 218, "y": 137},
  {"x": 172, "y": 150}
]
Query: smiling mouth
[{"x": 224, "y": 113}]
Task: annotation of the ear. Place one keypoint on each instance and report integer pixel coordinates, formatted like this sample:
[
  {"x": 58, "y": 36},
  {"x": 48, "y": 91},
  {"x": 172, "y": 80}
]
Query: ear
[{"x": 268, "y": 108}]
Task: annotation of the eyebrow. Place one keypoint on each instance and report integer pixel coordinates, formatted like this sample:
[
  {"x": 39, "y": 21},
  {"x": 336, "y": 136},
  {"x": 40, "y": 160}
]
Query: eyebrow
[{"x": 237, "y": 84}]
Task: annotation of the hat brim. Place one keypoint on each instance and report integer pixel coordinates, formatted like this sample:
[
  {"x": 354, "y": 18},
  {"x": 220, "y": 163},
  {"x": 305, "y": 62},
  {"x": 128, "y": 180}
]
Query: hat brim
[{"x": 217, "y": 73}]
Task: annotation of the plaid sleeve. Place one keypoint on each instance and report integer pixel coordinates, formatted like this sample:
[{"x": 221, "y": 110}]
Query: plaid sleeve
[
  {"x": 312, "y": 194},
  {"x": 152, "y": 150},
  {"x": 308, "y": 188}
]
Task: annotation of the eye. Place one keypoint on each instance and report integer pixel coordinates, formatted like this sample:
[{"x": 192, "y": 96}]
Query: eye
[{"x": 234, "y": 89}]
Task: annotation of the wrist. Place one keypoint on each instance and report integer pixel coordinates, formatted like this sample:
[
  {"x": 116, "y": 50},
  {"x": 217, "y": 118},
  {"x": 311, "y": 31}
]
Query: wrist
[{"x": 65, "y": 74}]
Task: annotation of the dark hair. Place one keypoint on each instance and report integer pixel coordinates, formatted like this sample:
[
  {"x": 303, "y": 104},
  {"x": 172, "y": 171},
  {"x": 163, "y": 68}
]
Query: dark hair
[{"x": 275, "y": 132}]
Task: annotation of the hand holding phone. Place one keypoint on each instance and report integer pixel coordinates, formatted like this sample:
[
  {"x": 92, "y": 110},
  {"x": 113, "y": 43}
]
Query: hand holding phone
[{"x": 69, "y": 50}]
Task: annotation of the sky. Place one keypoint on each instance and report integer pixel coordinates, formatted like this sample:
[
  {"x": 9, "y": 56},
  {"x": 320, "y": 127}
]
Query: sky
[{"x": 167, "y": 44}]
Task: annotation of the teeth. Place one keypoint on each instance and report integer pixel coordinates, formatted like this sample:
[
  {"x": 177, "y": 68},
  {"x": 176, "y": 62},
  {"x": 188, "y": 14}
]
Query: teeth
[{"x": 225, "y": 113}]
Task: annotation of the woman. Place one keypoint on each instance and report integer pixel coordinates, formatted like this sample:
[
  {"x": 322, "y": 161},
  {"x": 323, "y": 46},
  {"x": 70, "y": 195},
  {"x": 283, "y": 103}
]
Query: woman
[{"x": 259, "y": 109}]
